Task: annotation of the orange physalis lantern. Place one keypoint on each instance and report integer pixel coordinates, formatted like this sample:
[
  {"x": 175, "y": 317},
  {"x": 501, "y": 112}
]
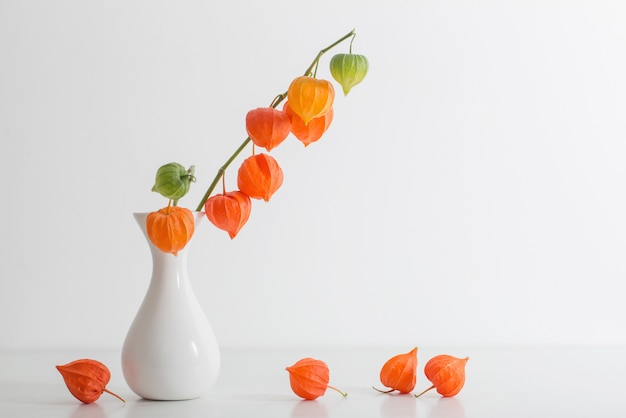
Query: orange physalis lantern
[
  {"x": 446, "y": 373},
  {"x": 310, "y": 98},
  {"x": 259, "y": 176},
  {"x": 309, "y": 378},
  {"x": 311, "y": 132},
  {"x": 267, "y": 127},
  {"x": 399, "y": 372},
  {"x": 170, "y": 228},
  {"x": 229, "y": 211},
  {"x": 86, "y": 379}
]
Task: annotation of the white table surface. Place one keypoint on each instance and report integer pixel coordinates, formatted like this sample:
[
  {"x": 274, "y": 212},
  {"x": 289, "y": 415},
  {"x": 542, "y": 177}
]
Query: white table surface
[{"x": 502, "y": 382}]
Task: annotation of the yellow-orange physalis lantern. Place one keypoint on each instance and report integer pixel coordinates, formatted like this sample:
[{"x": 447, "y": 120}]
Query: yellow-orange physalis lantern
[
  {"x": 170, "y": 228},
  {"x": 229, "y": 211},
  {"x": 259, "y": 176},
  {"x": 267, "y": 127},
  {"x": 310, "y": 97},
  {"x": 311, "y": 132}
]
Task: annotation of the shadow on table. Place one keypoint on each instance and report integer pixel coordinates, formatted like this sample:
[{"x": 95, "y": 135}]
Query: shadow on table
[
  {"x": 399, "y": 405},
  {"x": 92, "y": 410},
  {"x": 406, "y": 405},
  {"x": 307, "y": 409},
  {"x": 444, "y": 407}
]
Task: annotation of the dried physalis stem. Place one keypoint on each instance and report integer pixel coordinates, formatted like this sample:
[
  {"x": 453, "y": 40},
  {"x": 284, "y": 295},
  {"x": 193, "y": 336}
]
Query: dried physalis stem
[
  {"x": 399, "y": 372},
  {"x": 86, "y": 379},
  {"x": 446, "y": 373},
  {"x": 309, "y": 378}
]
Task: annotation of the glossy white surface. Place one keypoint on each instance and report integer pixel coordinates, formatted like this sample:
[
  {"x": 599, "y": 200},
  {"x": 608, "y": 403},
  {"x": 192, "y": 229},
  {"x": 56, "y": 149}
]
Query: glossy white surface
[
  {"x": 501, "y": 382},
  {"x": 170, "y": 351}
]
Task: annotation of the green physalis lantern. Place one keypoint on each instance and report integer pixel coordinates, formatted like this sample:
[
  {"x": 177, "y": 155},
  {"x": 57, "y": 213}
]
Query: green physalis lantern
[
  {"x": 348, "y": 69},
  {"x": 173, "y": 180}
]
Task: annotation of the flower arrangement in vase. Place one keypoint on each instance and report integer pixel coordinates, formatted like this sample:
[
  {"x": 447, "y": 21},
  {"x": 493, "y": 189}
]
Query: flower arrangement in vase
[
  {"x": 170, "y": 351},
  {"x": 307, "y": 112}
]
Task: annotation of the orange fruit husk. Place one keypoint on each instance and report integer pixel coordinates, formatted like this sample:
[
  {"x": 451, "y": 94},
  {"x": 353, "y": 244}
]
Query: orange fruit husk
[
  {"x": 229, "y": 211},
  {"x": 267, "y": 127},
  {"x": 259, "y": 176},
  {"x": 170, "y": 228},
  {"x": 309, "y": 378},
  {"x": 446, "y": 373},
  {"x": 400, "y": 372},
  {"x": 86, "y": 379},
  {"x": 311, "y": 132},
  {"x": 310, "y": 97}
]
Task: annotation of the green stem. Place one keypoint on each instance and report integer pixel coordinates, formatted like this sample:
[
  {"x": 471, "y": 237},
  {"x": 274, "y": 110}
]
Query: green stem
[
  {"x": 277, "y": 100},
  {"x": 220, "y": 173},
  {"x": 329, "y": 47}
]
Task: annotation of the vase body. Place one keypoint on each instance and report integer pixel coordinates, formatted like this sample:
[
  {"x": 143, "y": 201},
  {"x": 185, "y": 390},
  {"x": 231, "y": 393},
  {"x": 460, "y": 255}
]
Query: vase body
[{"x": 170, "y": 351}]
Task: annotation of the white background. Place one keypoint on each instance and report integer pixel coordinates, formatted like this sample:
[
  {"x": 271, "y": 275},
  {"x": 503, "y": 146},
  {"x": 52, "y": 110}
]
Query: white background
[{"x": 470, "y": 190}]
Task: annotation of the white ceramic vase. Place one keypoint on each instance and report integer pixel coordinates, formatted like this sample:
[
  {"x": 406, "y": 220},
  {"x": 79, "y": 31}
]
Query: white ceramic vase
[{"x": 170, "y": 351}]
